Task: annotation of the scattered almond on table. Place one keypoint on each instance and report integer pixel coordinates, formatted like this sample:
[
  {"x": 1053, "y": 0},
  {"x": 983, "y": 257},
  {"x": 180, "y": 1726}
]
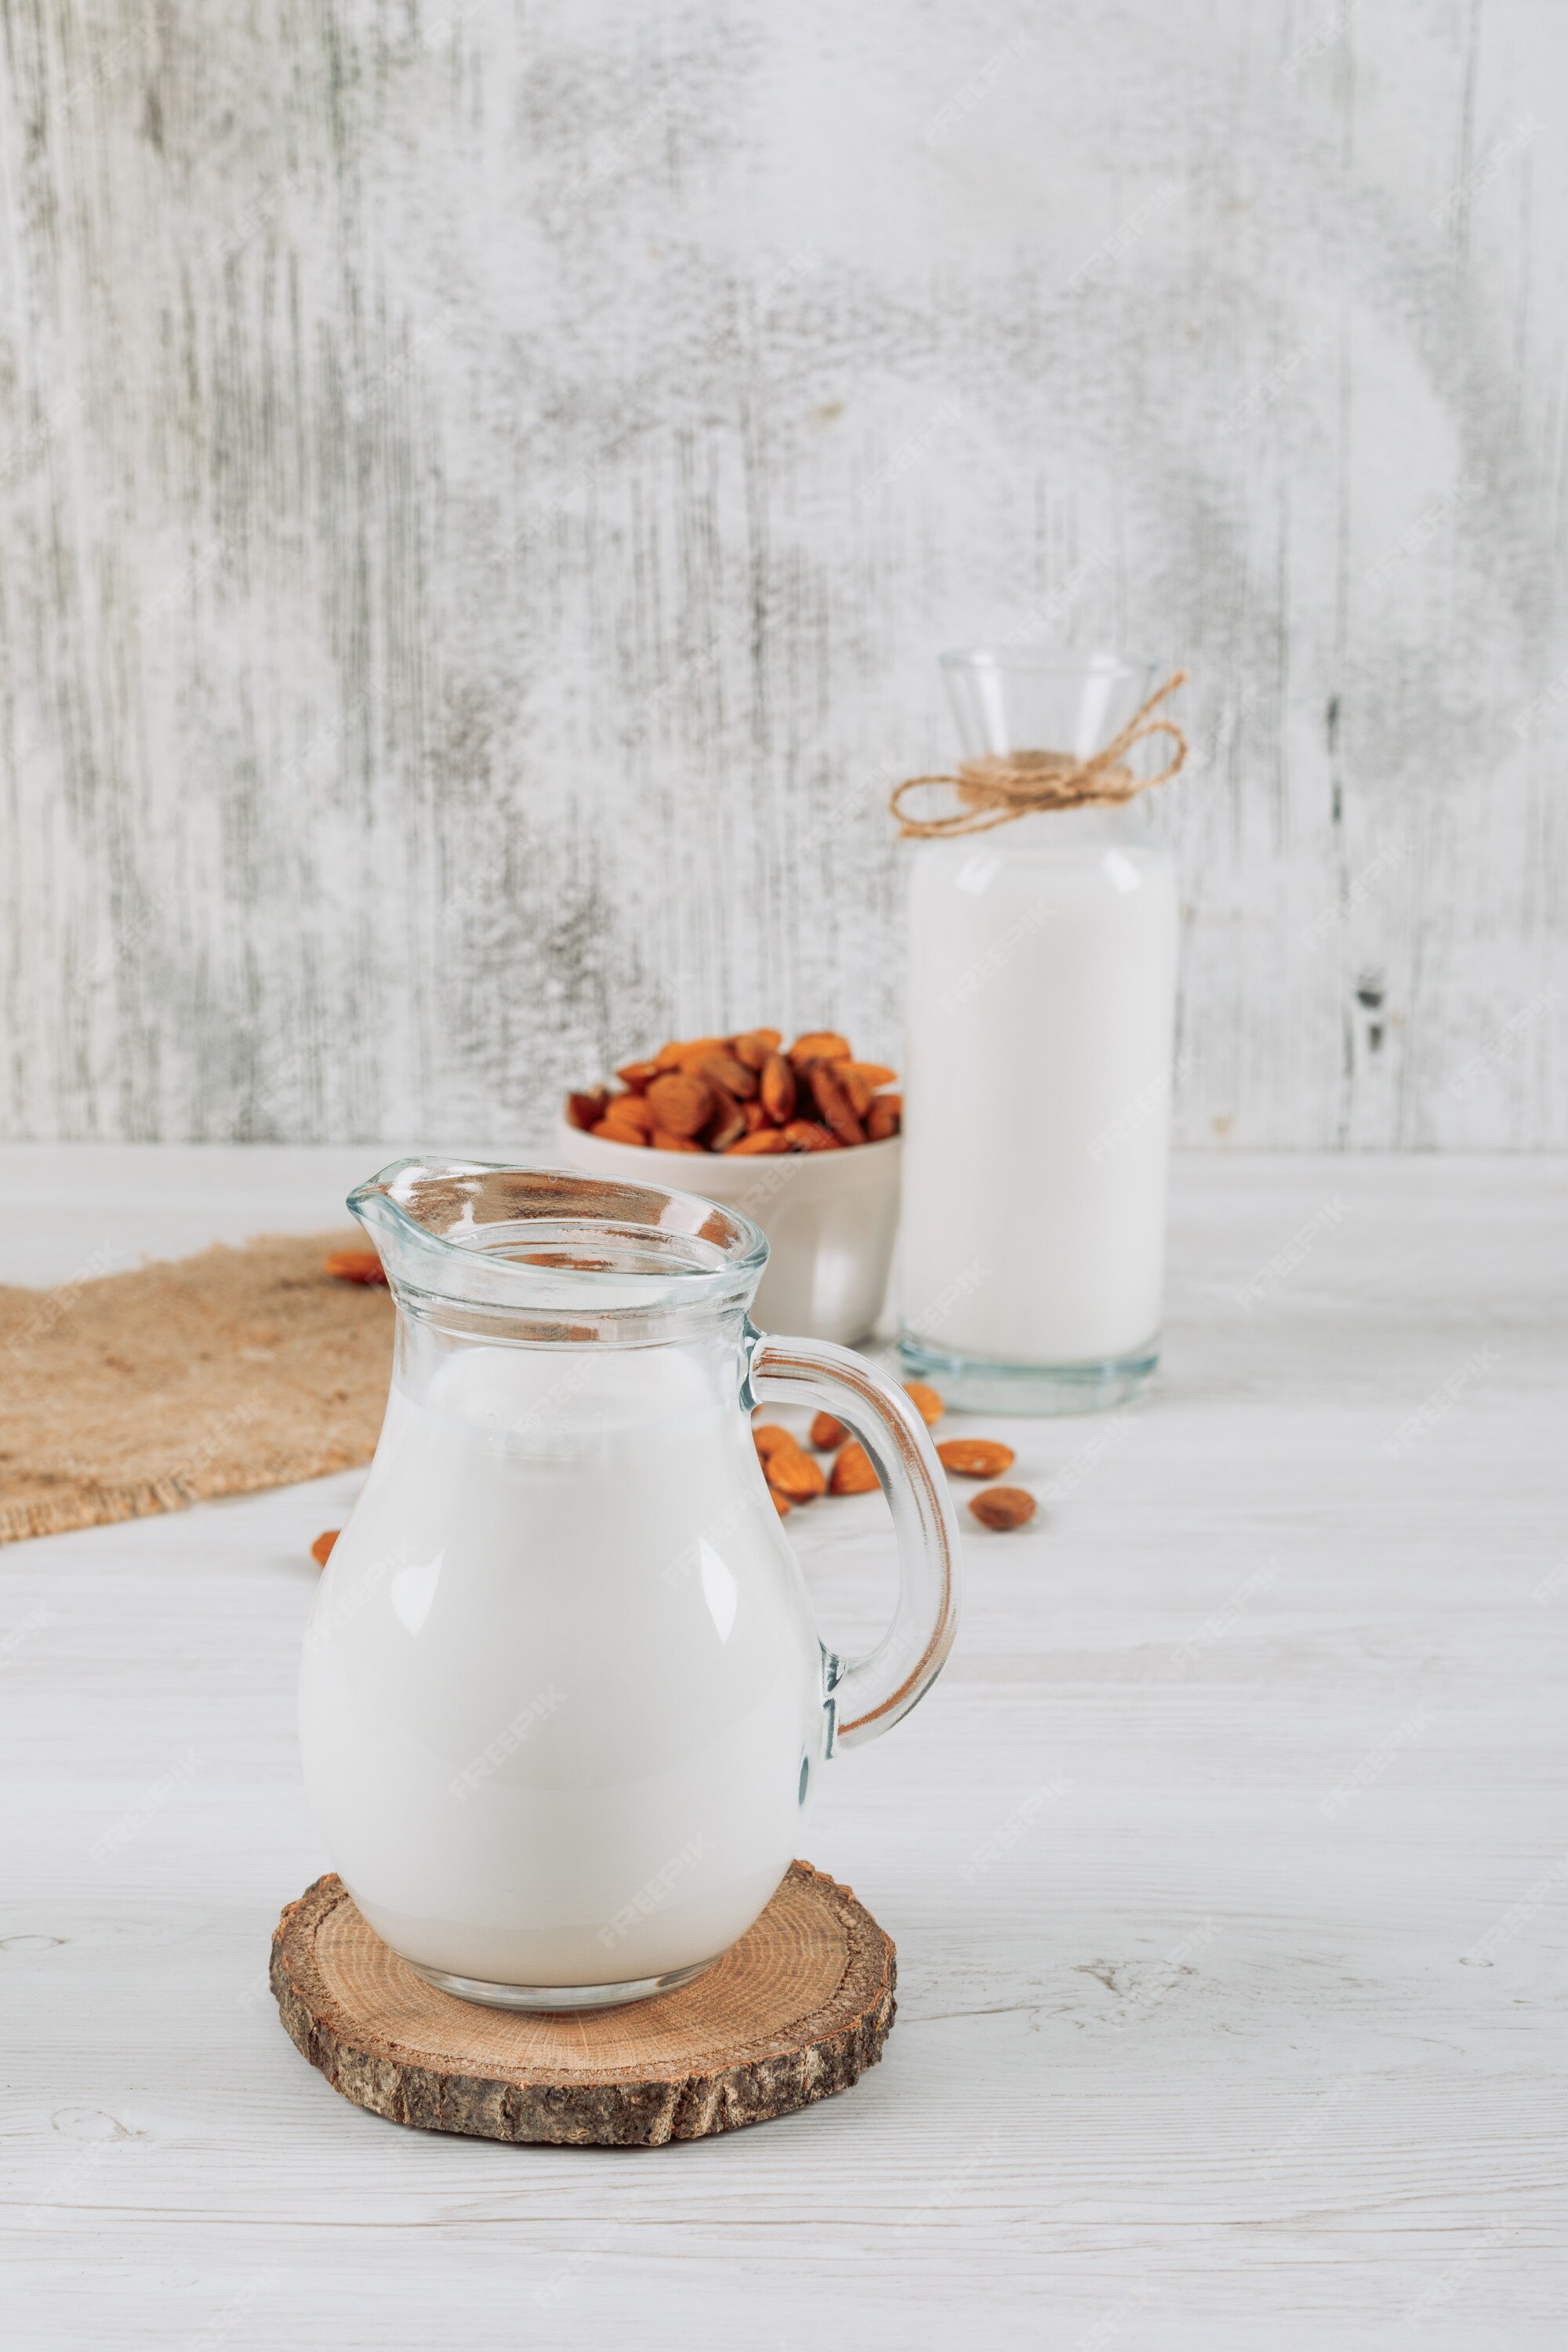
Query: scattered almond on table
[
  {"x": 321, "y": 1550},
  {"x": 794, "y": 1478},
  {"x": 794, "y": 1475},
  {"x": 926, "y": 1402},
  {"x": 852, "y": 1473},
  {"x": 354, "y": 1266},
  {"x": 745, "y": 1094},
  {"x": 975, "y": 1457},
  {"x": 1003, "y": 1506}
]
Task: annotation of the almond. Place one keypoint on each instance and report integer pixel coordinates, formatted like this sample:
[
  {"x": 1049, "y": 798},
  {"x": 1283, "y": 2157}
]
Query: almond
[
  {"x": 808, "y": 1135},
  {"x": 820, "y": 1045},
  {"x": 884, "y": 1118},
  {"x": 780, "y": 1506},
  {"x": 685, "y": 1054},
  {"x": 975, "y": 1457},
  {"x": 631, "y": 1110},
  {"x": 764, "y": 1140},
  {"x": 852, "y": 1473},
  {"x": 727, "y": 1127},
  {"x": 637, "y": 1075},
  {"x": 778, "y": 1089},
  {"x": 794, "y": 1473},
  {"x": 753, "y": 1046},
  {"x": 828, "y": 1434},
  {"x": 926, "y": 1402},
  {"x": 860, "y": 1092},
  {"x": 769, "y": 1438},
  {"x": 354, "y": 1266},
  {"x": 621, "y": 1131},
  {"x": 1003, "y": 1506},
  {"x": 321, "y": 1550},
  {"x": 834, "y": 1104},
  {"x": 755, "y": 1116},
  {"x": 875, "y": 1074},
  {"x": 724, "y": 1070},
  {"x": 586, "y": 1111},
  {"x": 662, "y": 1140},
  {"x": 681, "y": 1103}
]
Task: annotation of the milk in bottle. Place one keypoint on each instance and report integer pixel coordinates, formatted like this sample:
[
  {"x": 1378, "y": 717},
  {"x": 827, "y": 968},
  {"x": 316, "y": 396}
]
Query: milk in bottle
[{"x": 1040, "y": 1010}]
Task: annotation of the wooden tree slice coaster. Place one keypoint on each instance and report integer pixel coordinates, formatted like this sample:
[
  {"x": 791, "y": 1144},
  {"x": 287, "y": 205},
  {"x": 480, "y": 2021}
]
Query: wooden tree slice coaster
[{"x": 797, "y": 2009}]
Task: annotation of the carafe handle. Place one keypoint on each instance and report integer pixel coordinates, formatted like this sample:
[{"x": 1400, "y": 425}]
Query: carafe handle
[{"x": 866, "y": 1695}]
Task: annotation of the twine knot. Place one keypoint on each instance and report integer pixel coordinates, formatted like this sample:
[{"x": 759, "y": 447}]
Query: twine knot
[{"x": 1002, "y": 786}]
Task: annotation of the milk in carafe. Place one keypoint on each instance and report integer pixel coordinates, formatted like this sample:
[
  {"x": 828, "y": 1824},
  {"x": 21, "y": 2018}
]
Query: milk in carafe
[{"x": 562, "y": 1703}]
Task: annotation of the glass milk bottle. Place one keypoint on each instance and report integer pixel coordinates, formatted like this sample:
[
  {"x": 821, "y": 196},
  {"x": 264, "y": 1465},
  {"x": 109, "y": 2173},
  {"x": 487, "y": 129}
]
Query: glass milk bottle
[{"x": 1037, "y": 1062}]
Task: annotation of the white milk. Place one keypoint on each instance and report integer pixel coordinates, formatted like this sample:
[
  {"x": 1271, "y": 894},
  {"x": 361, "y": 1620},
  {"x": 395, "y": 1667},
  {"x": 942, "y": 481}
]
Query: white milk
[
  {"x": 562, "y": 1695},
  {"x": 1037, "y": 1071}
]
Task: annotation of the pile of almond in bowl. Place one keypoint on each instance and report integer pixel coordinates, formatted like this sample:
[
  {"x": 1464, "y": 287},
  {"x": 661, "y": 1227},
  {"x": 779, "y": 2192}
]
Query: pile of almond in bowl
[
  {"x": 745, "y": 1093},
  {"x": 794, "y": 1477}
]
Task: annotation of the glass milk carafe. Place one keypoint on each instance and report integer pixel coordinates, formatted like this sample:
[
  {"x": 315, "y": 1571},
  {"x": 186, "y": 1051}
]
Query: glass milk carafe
[
  {"x": 1037, "y": 1068},
  {"x": 562, "y": 1701}
]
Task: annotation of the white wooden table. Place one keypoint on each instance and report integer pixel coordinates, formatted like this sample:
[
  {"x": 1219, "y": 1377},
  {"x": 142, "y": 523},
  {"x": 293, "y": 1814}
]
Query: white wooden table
[{"x": 1227, "y": 1862}]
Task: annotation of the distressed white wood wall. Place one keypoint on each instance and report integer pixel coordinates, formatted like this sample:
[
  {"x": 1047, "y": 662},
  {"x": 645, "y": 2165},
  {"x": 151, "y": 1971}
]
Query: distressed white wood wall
[{"x": 485, "y": 483}]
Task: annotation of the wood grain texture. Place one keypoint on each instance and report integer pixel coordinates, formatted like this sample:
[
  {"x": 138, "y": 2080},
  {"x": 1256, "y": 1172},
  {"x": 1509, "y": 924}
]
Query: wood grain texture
[
  {"x": 1226, "y": 1864},
  {"x": 794, "y": 2012},
  {"x": 482, "y": 488}
]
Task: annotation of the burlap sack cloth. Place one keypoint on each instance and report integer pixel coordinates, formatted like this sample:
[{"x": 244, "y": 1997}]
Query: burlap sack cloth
[{"x": 218, "y": 1374}]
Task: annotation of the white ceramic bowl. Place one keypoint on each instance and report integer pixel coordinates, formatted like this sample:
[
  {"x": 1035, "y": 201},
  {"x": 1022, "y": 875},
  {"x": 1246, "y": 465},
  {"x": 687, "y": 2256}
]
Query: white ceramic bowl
[{"x": 829, "y": 1216}]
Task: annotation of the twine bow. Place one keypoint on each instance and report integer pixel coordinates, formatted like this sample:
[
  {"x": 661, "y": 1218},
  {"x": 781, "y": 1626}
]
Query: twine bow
[{"x": 1003, "y": 785}]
